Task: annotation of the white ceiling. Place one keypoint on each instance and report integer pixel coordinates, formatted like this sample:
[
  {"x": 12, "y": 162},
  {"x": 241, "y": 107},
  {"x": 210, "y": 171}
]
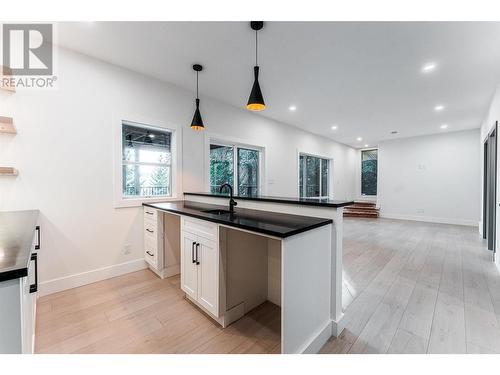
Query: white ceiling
[{"x": 363, "y": 77}]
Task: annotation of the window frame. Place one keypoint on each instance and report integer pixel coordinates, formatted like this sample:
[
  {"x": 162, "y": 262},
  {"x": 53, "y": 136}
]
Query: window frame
[
  {"x": 361, "y": 172},
  {"x": 235, "y": 144},
  {"x": 330, "y": 174},
  {"x": 120, "y": 200}
]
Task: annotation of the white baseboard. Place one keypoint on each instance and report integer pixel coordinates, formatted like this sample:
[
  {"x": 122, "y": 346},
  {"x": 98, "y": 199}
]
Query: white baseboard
[
  {"x": 430, "y": 219},
  {"x": 168, "y": 271},
  {"x": 319, "y": 340},
  {"x": 338, "y": 326},
  {"x": 84, "y": 278}
]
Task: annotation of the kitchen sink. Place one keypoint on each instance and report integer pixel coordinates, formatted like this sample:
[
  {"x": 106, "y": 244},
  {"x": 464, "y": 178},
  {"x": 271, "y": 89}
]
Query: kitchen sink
[{"x": 217, "y": 212}]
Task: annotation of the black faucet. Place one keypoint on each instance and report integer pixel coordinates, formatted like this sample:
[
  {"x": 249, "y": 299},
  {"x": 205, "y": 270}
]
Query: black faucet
[{"x": 232, "y": 203}]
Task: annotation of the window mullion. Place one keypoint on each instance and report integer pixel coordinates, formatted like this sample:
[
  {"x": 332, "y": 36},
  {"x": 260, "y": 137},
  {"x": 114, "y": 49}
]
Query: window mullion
[
  {"x": 236, "y": 171},
  {"x": 320, "y": 177}
]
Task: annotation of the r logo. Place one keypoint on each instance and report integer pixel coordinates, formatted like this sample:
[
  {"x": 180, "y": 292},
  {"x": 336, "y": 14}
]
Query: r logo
[{"x": 27, "y": 49}]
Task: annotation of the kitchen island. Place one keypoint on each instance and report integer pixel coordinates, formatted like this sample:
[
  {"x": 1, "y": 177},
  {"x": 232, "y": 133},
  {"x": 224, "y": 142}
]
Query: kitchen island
[
  {"x": 231, "y": 262},
  {"x": 317, "y": 207},
  {"x": 19, "y": 243}
]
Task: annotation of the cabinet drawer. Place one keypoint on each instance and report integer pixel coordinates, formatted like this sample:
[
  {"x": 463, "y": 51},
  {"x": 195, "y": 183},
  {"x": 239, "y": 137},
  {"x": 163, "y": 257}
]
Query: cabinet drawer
[
  {"x": 150, "y": 254},
  {"x": 150, "y": 228},
  {"x": 150, "y": 240},
  {"x": 200, "y": 228},
  {"x": 150, "y": 214}
]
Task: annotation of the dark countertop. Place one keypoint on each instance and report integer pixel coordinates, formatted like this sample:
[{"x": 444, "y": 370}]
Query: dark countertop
[
  {"x": 265, "y": 222},
  {"x": 17, "y": 229},
  {"x": 323, "y": 202}
]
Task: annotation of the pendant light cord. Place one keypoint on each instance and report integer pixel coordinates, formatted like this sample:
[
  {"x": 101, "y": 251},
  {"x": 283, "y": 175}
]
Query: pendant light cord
[
  {"x": 197, "y": 85},
  {"x": 256, "y": 47}
]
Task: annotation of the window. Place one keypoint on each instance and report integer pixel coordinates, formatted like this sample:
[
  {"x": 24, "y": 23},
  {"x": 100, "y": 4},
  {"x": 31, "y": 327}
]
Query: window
[
  {"x": 146, "y": 161},
  {"x": 314, "y": 175},
  {"x": 230, "y": 163},
  {"x": 369, "y": 172}
]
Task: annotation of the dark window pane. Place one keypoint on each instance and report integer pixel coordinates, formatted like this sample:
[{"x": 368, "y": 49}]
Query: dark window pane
[
  {"x": 313, "y": 176},
  {"x": 248, "y": 172},
  {"x": 369, "y": 172},
  {"x": 221, "y": 166},
  {"x": 302, "y": 169},
  {"x": 312, "y": 173},
  {"x": 324, "y": 177}
]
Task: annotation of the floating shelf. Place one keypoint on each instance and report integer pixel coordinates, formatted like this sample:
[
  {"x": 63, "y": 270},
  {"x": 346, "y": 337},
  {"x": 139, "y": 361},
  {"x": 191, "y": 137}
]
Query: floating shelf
[
  {"x": 8, "y": 171},
  {"x": 7, "y": 125},
  {"x": 7, "y": 73}
]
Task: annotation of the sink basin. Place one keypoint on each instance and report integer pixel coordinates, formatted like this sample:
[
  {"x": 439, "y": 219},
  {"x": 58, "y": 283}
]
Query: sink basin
[{"x": 217, "y": 212}]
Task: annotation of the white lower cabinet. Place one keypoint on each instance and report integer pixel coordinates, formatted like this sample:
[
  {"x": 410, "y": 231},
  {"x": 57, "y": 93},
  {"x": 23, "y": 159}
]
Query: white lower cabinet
[
  {"x": 208, "y": 276},
  {"x": 189, "y": 268},
  {"x": 200, "y": 263},
  {"x": 153, "y": 239},
  {"x": 18, "y": 312}
]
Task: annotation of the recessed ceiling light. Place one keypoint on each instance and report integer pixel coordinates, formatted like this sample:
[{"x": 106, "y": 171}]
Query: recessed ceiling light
[
  {"x": 444, "y": 126},
  {"x": 439, "y": 108},
  {"x": 429, "y": 67},
  {"x": 359, "y": 139},
  {"x": 367, "y": 145},
  {"x": 334, "y": 127},
  {"x": 292, "y": 108}
]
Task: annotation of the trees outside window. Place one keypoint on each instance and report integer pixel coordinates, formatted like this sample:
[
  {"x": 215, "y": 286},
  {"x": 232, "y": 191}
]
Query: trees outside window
[
  {"x": 146, "y": 161},
  {"x": 369, "y": 160},
  {"x": 230, "y": 163},
  {"x": 314, "y": 175}
]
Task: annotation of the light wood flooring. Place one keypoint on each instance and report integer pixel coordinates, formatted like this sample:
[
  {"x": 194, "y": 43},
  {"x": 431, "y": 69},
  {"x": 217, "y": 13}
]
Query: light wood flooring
[
  {"x": 413, "y": 287},
  {"x": 140, "y": 313},
  {"x": 409, "y": 287}
]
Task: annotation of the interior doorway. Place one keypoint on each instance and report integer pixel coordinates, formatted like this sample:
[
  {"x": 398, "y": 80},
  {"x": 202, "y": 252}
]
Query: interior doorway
[{"x": 489, "y": 188}]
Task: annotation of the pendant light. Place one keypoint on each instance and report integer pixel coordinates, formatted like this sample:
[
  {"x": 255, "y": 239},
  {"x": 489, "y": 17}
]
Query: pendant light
[
  {"x": 197, "y": 122},
  {"x": 256, "y": 100}
]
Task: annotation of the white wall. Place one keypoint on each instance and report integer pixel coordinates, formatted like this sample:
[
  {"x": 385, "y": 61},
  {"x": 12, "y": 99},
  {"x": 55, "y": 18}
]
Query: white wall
[
  {"x": 64, "y": 152},
  {"x": 431, "y": 178}
]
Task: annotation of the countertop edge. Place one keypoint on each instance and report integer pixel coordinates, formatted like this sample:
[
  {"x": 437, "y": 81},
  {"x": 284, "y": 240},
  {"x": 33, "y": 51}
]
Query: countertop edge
[
  {"x": 249, "y": 228},
  {"x": 277, "y": 200}
]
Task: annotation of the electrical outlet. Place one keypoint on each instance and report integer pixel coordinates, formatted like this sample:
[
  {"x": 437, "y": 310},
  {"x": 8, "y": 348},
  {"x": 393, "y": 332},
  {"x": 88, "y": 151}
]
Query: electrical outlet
[
  {"x": 420, "y": 210},
  {"x": 126, "y": 249}
]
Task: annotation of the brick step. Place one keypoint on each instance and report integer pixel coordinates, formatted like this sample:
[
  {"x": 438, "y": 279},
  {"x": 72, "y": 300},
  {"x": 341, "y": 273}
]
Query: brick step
[
  {"x": 372, "y": 215},
  {"x": 365, "y": 203},
  {"x": 361, "y": 207}
]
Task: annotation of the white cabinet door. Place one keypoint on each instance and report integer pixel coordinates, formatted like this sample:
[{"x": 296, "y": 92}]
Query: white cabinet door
[
  {"x": 208, "y": 275},
  {"x": 27, "y": 307},
  {"x": 189, "y": 268}
]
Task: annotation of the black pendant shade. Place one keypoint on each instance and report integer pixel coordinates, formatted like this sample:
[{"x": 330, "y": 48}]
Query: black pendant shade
[
  {"x": 197, "y": 122},
  {"x": 256, "y": 99}
]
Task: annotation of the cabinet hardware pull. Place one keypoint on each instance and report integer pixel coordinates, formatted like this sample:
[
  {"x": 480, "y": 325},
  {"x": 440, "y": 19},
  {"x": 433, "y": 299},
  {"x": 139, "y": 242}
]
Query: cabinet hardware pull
[
  {"x": 197, "y": 247},
  {"x": 149, "y": 213},
  {"x": 37, "y": 229},
  {"x": 34, "y": 287},
  {"x": 192, "y": 252},
  {"x": 151, "y": 255},
  {"x": 150, "y": 231}
]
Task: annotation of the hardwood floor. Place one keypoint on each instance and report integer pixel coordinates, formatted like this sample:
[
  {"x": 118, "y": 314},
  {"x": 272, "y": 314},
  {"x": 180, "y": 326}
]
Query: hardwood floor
[
  {"x": 412, "y": 287},
  {"x": 409, "y": 287},
  {"x": 140, "y": 313}
]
